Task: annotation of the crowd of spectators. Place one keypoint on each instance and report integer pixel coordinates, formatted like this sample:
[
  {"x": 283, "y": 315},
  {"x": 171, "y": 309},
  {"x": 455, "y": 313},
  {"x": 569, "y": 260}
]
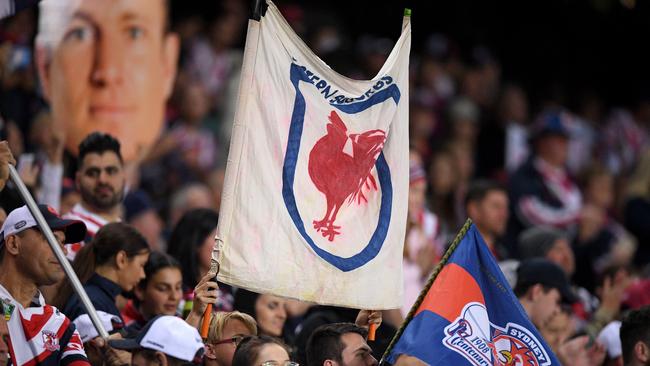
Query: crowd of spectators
[{"x": 569, "y": 184}]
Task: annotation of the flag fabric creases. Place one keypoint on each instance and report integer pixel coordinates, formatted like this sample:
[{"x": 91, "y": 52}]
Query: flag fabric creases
[{"x": 315, "y": 196}]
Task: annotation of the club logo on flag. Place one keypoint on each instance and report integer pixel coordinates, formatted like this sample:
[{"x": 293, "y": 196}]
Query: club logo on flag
[
  {"x": 483, "y": 343},
  {"x": 341, "y": 167},
  {"x": 315, "y": 192}
]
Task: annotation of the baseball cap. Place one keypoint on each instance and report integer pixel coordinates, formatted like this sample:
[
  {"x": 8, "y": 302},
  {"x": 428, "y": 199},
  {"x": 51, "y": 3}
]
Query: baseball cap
[
  {"x": 87, "y": 330},
  {"x": 21, "y": 219},
  {"x": 547, "y": 273},
  {"x": 168, "y": 334},
  {"x": 551, "y": 123}
]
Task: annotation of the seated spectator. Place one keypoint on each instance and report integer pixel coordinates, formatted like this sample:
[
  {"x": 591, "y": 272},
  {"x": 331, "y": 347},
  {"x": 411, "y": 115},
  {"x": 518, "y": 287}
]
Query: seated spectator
[
  {"x": 601, "y": 242},
  {"x": 139, "y": 212},
  {"x": 549, "y": 243},
  {"x": 339, "y": 344},
  {"x": 421, "y": 248},
  {"x": 101, "y": 180},
  {"x": 113, "y": 262},
  {"x": 227, "y": 330},
  {"x": 98, "y": 355},
  {"x": 268, "y": 310},
  {"x": 159, "y": 293},
  {"x": 189, "y": 147},
  {"x": 635, "y": 337},
  {"x": 165, "y": 341},
  {"x": 189, "y": 197},
  {"x": 191, "y": 243},
  {"x": 27, "y": 263},
  {"x": 262, "y": 351},
  {"x": 320, "y": 316},
  {"x": 541, "y": 286},
  {"x": 486, "y": 204},
  {"x": 542, "y": 193}
]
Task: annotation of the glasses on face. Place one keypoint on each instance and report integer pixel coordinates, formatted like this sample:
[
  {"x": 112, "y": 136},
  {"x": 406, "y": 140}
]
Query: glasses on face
[
  {"x": 236, "y": 340},
  {"x": 276, "y": 363}
]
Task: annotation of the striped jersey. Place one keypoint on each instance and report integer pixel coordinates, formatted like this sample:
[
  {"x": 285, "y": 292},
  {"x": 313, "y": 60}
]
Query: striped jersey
[
  {"x": 40, "y": 334},
  {"x": 93, "y": 223}
]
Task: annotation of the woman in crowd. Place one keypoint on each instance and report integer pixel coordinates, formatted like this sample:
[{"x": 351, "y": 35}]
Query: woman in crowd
[
  {"x": 268, "y": 310},
  {"x": 191, "y": 243},
  {"x": 227, "y": 329},
  {"x": 159, "y": 293},
  {"x": 262, "y": 351},
  {"x": 113, "y": 262}
]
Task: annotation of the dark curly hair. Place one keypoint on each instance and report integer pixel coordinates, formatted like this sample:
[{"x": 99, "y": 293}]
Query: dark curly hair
[{"x": 99, "y": 143}]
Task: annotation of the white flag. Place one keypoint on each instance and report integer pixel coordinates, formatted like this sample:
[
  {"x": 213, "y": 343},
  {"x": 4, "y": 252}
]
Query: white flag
[{"x": 315, "y": 196}]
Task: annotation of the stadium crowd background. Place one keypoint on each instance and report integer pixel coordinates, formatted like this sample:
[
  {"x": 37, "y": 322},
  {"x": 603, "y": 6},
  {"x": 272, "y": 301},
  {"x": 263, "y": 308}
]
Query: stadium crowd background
[{"x": 492, "y": 95}]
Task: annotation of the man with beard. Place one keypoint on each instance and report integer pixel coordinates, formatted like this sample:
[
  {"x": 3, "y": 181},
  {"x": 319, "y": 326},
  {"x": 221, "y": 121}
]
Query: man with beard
[{"x": 100, "y": 179}]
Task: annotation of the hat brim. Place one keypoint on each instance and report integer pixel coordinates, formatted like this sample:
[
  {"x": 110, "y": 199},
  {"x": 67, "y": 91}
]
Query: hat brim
[
  {"x": 75, "y": 230},
  {"x": 127, "y": 344}
]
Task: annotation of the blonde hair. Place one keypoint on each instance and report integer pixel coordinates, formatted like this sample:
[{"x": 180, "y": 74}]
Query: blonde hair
[{"x": 219, "y": 320}]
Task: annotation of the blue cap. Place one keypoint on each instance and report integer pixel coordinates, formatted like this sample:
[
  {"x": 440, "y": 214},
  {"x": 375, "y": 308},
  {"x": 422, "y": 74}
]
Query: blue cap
[{"x": 551, "y": 123}]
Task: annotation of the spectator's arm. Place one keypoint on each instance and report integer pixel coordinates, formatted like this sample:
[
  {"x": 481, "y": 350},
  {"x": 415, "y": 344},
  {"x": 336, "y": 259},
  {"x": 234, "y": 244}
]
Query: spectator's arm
[{"x": 6, "y": 158}]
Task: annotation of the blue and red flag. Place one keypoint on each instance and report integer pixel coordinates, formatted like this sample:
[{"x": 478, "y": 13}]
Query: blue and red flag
[{"x": 470, "y": 316}]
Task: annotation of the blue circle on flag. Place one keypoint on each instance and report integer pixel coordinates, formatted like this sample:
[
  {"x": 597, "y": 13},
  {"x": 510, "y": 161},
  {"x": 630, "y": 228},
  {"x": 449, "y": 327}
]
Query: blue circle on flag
[{"x": 378, "y": 237}]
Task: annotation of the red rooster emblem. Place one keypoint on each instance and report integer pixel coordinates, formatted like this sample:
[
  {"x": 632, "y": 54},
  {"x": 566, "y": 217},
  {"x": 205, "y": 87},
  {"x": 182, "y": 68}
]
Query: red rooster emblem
[{"x": 340, "y": 166}]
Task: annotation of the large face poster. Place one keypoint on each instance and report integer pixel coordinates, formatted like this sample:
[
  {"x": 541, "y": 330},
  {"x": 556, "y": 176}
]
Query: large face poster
[{"x": 107, "y": 66}]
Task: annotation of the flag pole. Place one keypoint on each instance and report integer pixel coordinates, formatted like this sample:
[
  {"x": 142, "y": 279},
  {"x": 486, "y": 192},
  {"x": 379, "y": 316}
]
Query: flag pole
[
  {"x": 443, "y": 261},
  {"x": 407, "y": 18},
  {"x": 56, "y": 248},
  {"x": 246, "y": 78}
]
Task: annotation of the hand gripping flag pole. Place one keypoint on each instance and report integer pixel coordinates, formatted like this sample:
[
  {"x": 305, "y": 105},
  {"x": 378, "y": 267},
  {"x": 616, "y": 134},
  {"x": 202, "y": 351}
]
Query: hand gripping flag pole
[
  {"x": 427, "y": 287},
  {"x": 51, "y": 240}
]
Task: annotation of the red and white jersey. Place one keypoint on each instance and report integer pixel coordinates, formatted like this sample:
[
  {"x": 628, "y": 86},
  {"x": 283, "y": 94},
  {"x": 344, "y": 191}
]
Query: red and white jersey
[
  {"x": 41, "y": 334},
  {"x": 93, "y": 223}
]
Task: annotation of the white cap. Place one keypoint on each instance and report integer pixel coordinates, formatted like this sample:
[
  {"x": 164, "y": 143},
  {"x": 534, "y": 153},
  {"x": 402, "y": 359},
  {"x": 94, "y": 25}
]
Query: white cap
[
  {"x": 87, "y": 330},
  {"x": 168, "y": 334},
  {"x": 610, "y": 337},
  {"x": 21, "y": 219}
]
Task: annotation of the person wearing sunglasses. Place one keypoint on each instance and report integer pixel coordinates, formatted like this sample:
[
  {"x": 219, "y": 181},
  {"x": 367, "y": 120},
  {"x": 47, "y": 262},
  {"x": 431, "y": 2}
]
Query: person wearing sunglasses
[
  {"x": 226, "y": 331},
  {"x": 262, "y": 351}
]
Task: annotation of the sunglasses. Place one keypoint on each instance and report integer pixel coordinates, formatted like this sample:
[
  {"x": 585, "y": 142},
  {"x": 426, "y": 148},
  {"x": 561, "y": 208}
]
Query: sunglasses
[
  {"x": 276, "y": 363},
  {"x": 236, "y": 340}
]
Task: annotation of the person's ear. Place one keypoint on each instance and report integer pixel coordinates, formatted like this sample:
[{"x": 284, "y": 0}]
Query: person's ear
[
  {"x": 161, "y": 358},
  {"x": 43, "y": 59},
  {"x": 12, "y": 243},
  {"x": 121, "y": 259},
  {"x": 330, "y": 363},
  {"x": 642, "y": 351},
  {"x": 534, "y": 292},
  {"x": 209, "y": 351},
  {"x": 171, "y": 49}
]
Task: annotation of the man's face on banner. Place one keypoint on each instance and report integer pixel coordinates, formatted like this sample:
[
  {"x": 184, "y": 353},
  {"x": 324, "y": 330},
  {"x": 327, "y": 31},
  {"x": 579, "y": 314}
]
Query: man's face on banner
[{"x": 107, "y": 65}]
